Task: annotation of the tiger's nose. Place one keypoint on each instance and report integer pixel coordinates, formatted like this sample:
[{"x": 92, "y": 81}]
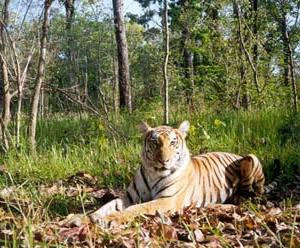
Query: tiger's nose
[{"x": 163, "y": 161}]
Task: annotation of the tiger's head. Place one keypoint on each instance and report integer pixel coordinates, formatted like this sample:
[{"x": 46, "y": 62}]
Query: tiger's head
[{"x": 165, "y": 147}]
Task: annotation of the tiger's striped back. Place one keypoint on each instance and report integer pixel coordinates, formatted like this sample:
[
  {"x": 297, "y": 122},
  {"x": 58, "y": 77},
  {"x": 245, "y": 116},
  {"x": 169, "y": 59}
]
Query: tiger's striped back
[{"x": 217, "y": 177}]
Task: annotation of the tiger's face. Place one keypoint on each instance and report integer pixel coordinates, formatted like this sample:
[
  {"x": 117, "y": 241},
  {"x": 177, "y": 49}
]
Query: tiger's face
[{"x": 164, "y": 147}]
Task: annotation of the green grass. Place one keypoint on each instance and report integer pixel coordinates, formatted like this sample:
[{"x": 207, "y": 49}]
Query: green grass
[{"x": 68, "y": 144}]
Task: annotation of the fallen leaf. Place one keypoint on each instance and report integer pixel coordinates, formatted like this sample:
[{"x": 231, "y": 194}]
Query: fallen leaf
[
  {"x": 274, "y": 211},
  {"x": 282, "y": 227},
  {"x": 228, "y": 227},
  {"x": 269, "y": 204},
  {"x": 3, "y": 169},
  {"x": 73, "y": 234},
  {"x": 198, "y": 235},
  {"x": 167, "y": 231},
  {"x": 249, "y": 223},
  {"x": 7, "y": 192}
]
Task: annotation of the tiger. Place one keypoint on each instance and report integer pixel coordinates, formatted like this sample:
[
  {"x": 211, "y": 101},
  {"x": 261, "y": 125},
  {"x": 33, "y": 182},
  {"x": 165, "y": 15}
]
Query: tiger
[{"x": 170, "y": 179}]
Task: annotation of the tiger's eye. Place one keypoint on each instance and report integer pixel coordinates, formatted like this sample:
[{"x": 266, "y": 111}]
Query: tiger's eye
[{"x": 173, "y": 142}]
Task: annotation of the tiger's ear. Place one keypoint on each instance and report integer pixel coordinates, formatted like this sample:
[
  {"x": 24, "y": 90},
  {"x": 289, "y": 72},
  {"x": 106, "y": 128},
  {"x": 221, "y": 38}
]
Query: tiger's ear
[
  {"x": 184, "y": 128},
  {"x": 144, "y": 127}
]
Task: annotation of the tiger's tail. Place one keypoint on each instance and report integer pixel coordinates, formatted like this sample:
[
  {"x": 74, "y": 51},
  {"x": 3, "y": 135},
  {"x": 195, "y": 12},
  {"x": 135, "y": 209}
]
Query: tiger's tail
[{"x": 275, "y": 183}]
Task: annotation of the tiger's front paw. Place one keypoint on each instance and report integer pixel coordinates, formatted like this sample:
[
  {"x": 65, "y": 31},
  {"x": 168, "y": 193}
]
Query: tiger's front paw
[{"x": 112, "y": 220}]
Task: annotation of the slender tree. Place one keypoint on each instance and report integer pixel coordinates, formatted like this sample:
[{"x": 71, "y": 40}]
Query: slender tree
[
  {"x": 188, "y": 56},
  {"x": 289, "y": 67},
  {"x": 40, "y": 76},
  {"x": 254, "y": 4},
  {"x": 242, "y": 95},
  {"x": 5, "y": 85},
  {"x": 165, "y": 63},
  {"x": 243, "y": 45},
  {"x": 70, "y": 10},
  {"x": 123, "y": 63}
]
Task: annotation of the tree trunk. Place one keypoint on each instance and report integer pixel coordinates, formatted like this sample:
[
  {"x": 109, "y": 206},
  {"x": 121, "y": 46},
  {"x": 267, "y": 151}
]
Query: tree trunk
[
  {"x": 289, "y": 67},
  {"x": 288, "y": 52},
  {"x": 115, "y": 82},
  {"x": 243, "y": 45},
  {"x": 189, "y": 75},
  {"x": 165, "y": 64},
  {"x": 86, "y": 79},
  {"x": 21, "y": 82},
  {"x": 255, "y": 35},
  {"x": 188, "y": 56},
  {"x": 39, "y": 77},
  {"x": 188, "y": 66},
  {"x": 242, "y": 96},
  {"x": 70, "y": 9},
  {"x": 123, "y": 64},
  {"x": 284, "y": 34},
  {"x": 5, "y": 86}
]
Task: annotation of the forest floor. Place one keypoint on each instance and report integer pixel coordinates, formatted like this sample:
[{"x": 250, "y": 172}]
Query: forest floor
[
  {"x": 271, "y": 221},
  {"x": 81, "y": 162}
]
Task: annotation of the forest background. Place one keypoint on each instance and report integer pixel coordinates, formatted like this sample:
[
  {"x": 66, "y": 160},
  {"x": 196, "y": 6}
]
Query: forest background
[{"x": 72, "y": 92}]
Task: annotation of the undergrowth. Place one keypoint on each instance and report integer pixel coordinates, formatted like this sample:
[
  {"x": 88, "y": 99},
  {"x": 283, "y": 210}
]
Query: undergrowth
[{"x": 68, "y": 144}]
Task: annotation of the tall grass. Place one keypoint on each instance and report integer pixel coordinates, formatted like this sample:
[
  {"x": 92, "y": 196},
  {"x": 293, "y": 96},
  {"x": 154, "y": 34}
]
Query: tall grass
[{"x": 68, "y": 144}]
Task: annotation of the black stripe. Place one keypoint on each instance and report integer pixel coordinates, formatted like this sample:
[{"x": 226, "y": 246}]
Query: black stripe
[
  {"x": 222, "y": 160},
  {"x": 159, "y": 180},
  {"x": 206, "y": 190},
  {"x": 204, "y": 196},
  {"x": 209, "y": 181},
  {"x": 164, "y": 188},
  {"x": 229, "y": 168},
  {"x": 218, "y": 186},
  {"x": 226, "y": 165},
  {"x": 217, "y": 155},
  {"x": 200, "y": 182},
  {"x": 193, "y": 192},
  {"x": 234, "y": 160},
  {"x": 255, "y": 169},
  {"x": 129, "y": 196},
  {"x": 162, "y": 178},
  {"x": 217, "y": 171},
  {"x": 146, "y": 153},
  {"x": 166, "y": 196},
  {"x": 145, "y": 179},
  {"x": 228, "y": 173},
  {"x": 136, "y": 190},
  {"x": 219, "y": 197},
  {"x": 261, "y": 179},
  {"x": 195, "y": 160},
  {"x": 228, "y": 157},
  {"x": 225, "y": 161},
  {"x": 211, "y": 174},
  {"x": 117, "y": 208},
  {"x": 227, "y": 193},
  {"x": 245, "y": 185}
]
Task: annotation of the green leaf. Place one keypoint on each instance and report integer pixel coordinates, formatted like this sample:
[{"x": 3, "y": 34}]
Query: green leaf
[{"x": 219, "y": 123}]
